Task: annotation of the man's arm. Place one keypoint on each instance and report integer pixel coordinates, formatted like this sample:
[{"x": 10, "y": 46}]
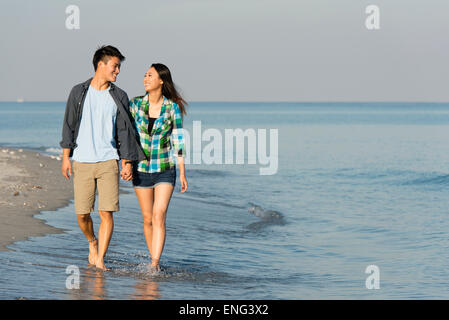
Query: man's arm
[
  {"x": 66, "y": 165},
  {"x": 68, "y": 126},
  {"x": 68, "y": 131}
]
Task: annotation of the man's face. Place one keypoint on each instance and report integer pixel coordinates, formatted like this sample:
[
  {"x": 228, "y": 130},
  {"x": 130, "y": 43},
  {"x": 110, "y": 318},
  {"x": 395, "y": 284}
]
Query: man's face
[{"x": 110, "y": 69}]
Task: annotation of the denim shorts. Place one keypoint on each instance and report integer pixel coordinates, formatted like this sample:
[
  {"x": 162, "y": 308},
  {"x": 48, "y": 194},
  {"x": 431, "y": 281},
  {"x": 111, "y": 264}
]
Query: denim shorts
[{"x": 150, "y": 180}]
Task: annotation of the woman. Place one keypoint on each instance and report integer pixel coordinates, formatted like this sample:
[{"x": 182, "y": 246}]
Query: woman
[{"x": 158, "y": 118}]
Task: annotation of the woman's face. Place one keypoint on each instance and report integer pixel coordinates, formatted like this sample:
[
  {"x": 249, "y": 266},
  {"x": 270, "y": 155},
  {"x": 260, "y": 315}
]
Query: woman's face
[{"x": 151, "y": 81}]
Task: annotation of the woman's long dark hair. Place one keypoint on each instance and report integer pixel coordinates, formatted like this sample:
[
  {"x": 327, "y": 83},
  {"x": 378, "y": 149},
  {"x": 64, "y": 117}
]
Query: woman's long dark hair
[{"x": 168, "y": 87}]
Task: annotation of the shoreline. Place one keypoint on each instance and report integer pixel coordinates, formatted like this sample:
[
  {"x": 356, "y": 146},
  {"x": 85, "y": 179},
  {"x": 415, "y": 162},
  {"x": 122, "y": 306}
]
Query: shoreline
[{"x": 30, "y": 182}]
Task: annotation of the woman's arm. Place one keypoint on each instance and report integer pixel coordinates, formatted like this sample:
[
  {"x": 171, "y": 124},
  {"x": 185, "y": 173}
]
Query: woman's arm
[
  {"x": 178, "y": 141},
  {"x": 182, "y": 174}
]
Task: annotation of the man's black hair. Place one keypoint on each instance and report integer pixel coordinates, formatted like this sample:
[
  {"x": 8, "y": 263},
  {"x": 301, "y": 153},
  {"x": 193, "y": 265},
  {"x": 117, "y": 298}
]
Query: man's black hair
[{"x": 103, "y": 54}]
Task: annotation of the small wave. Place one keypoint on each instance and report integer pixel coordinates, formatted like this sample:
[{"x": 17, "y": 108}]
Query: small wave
[
  {"x": 170, "y": 273},
  {"x": 56, "y": 151},
  {"x": 395, "y": 177},
  {"x": 258, "y": 211},
  {"x": 211, "y": 199},
  {"x": 267, "y": 217},
  {"x": 47, "y": 151},
  {"x": 371, "y": 174},
  {"x": 208, "y": 173},
  {"x": 437, "y": 180}
]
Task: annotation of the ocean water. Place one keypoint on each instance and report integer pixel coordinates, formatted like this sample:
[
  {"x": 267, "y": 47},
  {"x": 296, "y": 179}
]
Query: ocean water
[{"x": 357, "y": 184}]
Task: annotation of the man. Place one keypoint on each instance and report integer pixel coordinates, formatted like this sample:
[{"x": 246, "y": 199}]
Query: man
[{"x": 97, "y": 132}]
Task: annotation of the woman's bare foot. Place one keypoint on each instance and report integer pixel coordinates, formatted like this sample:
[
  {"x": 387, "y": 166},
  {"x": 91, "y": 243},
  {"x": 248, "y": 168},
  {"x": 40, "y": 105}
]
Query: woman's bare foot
[
  {"x": 154, "y": 270},
  {"x": 93, "y": 248},
  {"x": 155, "y": 266}
]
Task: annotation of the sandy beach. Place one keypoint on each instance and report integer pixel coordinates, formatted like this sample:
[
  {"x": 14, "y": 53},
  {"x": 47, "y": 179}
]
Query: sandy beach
[{"x": 29, "y": 183}]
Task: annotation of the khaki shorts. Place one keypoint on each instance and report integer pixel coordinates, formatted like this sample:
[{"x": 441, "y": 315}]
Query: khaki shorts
[{"x": 87, "y": 178}]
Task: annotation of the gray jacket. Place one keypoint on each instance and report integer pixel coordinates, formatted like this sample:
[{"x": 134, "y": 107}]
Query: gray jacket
[{"x": 128, "y": 145}]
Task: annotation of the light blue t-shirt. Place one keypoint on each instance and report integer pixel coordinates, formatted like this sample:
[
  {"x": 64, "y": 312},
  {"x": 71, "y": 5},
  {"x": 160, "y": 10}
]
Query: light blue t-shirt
[{"x": 96, "y": 136}]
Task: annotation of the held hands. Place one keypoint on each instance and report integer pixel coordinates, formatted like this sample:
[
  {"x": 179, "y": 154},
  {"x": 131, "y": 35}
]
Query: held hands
[{"x": 127, "y": 172}]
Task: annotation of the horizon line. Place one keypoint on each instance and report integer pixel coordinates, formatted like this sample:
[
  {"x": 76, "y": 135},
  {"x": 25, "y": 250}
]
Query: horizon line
[{"x": 270, "y": 101}]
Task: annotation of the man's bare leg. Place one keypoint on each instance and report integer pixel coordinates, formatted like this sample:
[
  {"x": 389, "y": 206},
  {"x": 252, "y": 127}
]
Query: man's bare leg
[
  {"x": 104, "y": 237},
  {"x": 86, "y": 226}
]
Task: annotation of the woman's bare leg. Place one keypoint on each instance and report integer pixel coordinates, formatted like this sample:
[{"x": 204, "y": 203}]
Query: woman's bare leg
[
  {"x": 162, "y": 196},
  {"x": 145, "y": 198}
]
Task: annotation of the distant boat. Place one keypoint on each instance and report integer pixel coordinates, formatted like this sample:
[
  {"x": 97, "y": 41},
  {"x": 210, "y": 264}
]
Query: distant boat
[{"x": 20, "y": 100}]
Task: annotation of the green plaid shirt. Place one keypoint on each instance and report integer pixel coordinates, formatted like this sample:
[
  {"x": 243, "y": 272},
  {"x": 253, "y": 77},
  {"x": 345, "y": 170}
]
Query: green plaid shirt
[{"x": 167, "y": 134}]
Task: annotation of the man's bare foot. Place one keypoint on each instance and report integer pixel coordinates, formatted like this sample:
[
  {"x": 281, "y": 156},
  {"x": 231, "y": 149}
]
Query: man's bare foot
[
  {"x": 93, "y": 248},
  {"x": 100, "y": 264}
]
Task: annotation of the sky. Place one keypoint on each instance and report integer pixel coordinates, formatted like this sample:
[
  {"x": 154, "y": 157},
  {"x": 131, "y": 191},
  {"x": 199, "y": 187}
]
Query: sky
[{"x": 233, "y": 50}]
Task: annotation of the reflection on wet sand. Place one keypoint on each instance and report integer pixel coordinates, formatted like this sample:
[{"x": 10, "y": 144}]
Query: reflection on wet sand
[
  {"x": 92, "y": 285},
  {"x": 146, "y": 289}
]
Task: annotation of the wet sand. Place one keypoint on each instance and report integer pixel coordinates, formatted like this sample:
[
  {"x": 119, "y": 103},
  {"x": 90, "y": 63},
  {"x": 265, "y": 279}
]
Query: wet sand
[{"x": 29, "y": 183}]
